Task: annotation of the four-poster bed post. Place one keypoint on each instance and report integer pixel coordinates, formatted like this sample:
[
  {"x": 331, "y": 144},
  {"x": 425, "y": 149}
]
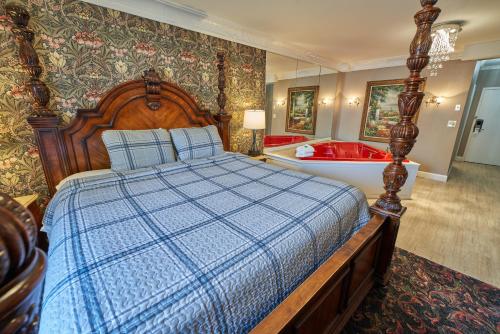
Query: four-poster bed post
[
  {"x": 404, "y": 133},
  {"x": 325, "y": 301},
  {"x": 22, "y": 269}
]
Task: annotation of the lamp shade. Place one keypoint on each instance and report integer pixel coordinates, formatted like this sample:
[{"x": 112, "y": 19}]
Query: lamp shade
[{"x": 254, "y": 119}]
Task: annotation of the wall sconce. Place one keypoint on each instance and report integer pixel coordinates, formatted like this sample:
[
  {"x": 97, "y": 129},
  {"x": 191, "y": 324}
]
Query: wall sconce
[
  {"x": 437, "y": 100},
  {"x": 326, "y": 100},
  {"x": 354, "y": 101},
  {"x": 280, "y": 102}
]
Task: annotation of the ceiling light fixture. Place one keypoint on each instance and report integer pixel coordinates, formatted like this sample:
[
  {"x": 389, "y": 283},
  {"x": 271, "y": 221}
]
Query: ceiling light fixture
[{"x": 444, "y": 36}]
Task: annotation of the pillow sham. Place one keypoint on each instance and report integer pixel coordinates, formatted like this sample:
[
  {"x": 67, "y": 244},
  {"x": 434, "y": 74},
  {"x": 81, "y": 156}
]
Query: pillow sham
[
  {"x": 133, "y": 149},
  {"x": 196, "y": 143}
]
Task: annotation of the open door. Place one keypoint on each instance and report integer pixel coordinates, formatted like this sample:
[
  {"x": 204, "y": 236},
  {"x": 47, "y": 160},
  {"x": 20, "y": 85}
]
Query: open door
[{"x": 483, "y": 145}]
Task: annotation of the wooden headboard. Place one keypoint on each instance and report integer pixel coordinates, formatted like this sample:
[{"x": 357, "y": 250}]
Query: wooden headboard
[{"x": 148, "y": 103}]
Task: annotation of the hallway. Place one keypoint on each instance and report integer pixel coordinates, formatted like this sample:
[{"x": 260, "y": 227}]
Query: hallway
[{"x": 457, "y": 224}]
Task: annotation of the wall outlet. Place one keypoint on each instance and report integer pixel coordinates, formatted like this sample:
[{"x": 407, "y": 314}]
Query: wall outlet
[
  {"x": 452, "y": 124},
  {"x": 458, "y": 107}
]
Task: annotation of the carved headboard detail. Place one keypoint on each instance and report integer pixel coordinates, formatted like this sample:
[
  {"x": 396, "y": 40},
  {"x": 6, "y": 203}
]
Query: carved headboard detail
[
  {"x": 153, "y": 83},
  {"x": 149, "y": 103},
  {"x": 138, "y": 104}
]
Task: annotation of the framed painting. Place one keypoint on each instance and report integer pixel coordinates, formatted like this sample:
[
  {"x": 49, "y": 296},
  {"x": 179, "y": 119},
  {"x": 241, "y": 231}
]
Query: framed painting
[
  {"x": 381, "y": 110},
  {"x": 302, "y": 108}
]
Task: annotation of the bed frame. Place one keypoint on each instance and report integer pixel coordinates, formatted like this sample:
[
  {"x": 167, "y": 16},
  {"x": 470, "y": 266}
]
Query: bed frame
[{"x": 323, "y": 303}]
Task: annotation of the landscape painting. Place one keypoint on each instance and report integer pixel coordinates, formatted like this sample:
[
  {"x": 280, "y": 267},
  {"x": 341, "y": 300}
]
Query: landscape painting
[
  {"x": 381, "y": 111},
  {"x": 302, "y": 109}
]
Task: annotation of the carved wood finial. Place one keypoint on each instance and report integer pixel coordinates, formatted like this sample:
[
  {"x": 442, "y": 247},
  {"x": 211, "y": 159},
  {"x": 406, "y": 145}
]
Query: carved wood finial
[
  {"x": 18, "y": 232},
  {"x": 221, "y": 98},
  {"x": 222, "y": 117},
  {"x": 404, "y": 133},
  {"x": 29, "y": 59},
  {"x": 22, "y": 268},
  {"x": 153, "y": 82}
]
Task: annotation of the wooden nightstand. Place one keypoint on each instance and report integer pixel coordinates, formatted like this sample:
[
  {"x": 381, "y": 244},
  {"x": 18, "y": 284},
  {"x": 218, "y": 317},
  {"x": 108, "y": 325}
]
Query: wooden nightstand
[
  {"x": 30, "y": 203},
  {"x": 261, "y": 157}
]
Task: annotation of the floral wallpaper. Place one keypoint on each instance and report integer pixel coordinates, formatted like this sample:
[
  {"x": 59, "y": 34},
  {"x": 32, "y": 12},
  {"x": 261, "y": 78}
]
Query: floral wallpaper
[{"x": 85, "y": 50}]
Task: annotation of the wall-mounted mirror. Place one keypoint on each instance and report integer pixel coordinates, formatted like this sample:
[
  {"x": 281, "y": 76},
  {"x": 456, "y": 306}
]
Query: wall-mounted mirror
[{"x": 300, "y": 97}]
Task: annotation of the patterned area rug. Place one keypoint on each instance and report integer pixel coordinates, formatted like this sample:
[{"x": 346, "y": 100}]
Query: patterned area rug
[{"x": 425, "y": 297}]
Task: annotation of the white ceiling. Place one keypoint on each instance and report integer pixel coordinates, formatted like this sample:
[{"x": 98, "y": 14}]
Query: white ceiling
[{"x": 340, "y": 34}]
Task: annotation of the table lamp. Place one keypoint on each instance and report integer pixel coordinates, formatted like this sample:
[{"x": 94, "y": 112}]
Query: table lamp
[{"x": 254, "y": 120}]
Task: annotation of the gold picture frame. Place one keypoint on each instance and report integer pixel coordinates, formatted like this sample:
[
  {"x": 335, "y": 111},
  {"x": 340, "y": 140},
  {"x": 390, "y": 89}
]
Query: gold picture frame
[
  {"x": 381, "y": 111},
  {"x": 302, "y": 110}
]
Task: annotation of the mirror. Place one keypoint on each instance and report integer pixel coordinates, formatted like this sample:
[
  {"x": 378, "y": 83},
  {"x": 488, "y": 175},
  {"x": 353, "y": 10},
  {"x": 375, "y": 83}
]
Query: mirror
[{"x": 299, "y": 101}]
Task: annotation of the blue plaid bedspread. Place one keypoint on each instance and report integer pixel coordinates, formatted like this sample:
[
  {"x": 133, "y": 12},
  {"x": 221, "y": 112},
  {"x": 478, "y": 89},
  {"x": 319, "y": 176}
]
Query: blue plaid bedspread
[{"x": 207, "y": 246}]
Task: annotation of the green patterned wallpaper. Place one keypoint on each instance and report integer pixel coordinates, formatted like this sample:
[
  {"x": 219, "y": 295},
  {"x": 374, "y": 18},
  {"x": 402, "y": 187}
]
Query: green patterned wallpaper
[{"x": 86, "y": 49}]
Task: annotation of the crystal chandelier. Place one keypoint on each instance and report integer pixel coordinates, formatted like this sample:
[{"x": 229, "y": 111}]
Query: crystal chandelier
[{"x": 444, "y": 36}]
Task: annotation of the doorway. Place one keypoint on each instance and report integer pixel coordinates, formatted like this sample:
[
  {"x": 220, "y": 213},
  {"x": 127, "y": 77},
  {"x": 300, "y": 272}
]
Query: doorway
[
  {"x": 479, "y": 136},
  {"x": 483, "y": 145}
]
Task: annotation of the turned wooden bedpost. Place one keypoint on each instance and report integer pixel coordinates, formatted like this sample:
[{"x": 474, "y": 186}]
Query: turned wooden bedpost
[
  {"x": 44, "y": 122},
  {"x": 29, "y": 58},
  {"x": 404, "y": 134},
  {"x": 22, "y": 269},
  {"x": 222, "y": 117}
]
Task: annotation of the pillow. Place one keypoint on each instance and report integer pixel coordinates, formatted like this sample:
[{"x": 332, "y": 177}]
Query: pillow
[
  {"x": 196, "y": 143},
  {"x": 80, "y": 175},
  {"x": 133, "y": 149}
]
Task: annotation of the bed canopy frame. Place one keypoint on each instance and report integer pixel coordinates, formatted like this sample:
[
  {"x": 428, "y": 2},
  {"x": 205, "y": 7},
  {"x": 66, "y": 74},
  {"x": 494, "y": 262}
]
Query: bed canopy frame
[{"x": 323, "y": 303}]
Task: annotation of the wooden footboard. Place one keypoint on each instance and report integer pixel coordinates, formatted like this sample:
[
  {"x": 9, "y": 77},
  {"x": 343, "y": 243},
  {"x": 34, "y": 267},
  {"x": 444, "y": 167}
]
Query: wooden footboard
[{"x": 325, "y": 301}]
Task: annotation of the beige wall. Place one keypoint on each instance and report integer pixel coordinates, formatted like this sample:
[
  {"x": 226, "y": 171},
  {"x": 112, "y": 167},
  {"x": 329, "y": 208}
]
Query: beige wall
[
  {"x": 435, "y": 143},
  {"x": 328, "y": 88}
]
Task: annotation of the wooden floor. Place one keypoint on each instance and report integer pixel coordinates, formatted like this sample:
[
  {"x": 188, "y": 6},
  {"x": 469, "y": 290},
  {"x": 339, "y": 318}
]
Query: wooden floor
[{"x": 457, "y": 224}]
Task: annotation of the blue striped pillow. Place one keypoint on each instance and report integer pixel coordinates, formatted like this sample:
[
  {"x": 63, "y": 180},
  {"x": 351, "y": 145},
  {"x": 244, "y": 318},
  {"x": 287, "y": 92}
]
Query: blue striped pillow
[
  {"x": 133, "y": 149},
  {"x": 196, "y": 143}
]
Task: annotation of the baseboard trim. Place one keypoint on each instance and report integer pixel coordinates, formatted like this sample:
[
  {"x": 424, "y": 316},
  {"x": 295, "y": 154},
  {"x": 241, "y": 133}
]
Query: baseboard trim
[{"x": 433, "y": 176}]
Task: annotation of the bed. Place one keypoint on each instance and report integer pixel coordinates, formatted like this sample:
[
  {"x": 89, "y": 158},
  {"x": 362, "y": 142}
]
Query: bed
[
  {"x": 220, "y": 240},
  {"x": 300, "y": 263}
]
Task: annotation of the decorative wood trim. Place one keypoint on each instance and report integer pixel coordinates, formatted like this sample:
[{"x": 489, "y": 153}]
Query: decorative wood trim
[
  {"x": 404, "y": 133},
  {"x": 44, "y": 120},
  {"x": 222, "y": 117},
  {"x": 221, "y": 83},
  {"x": 22, "y": 269},
  {"x": 138, "y": 104},
  {"x": 29, "y": 59},
  {"x": 366, "y": 106},
  {"x": 152, "y": 81}
]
